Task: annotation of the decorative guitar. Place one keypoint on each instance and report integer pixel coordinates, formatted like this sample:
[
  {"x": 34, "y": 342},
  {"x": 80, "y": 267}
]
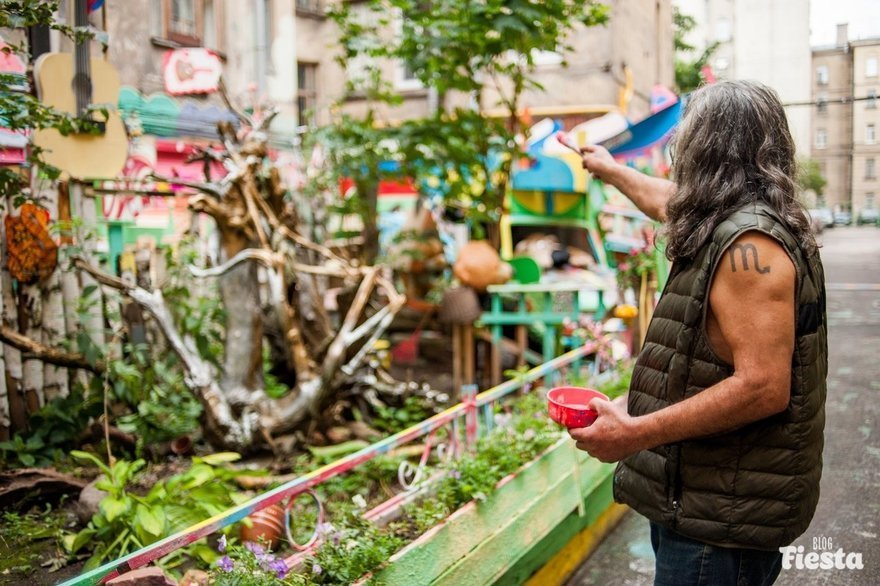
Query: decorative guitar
[{"x": 71, "y": 83}]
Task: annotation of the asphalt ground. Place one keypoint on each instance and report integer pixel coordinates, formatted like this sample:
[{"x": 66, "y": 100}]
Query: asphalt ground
[{"x": 848, "y": 515}]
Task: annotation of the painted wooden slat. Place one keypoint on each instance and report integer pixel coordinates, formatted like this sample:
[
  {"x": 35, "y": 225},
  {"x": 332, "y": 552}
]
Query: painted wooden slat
[
  {"x": 482, "y": 541},
  {"x": 501, "y": 550}
]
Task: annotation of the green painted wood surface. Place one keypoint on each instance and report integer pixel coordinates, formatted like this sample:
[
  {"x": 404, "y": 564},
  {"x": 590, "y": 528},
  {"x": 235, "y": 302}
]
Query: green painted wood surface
[
  {"x": 596, "y": 503},
  {"x": 483, "y": 541}
]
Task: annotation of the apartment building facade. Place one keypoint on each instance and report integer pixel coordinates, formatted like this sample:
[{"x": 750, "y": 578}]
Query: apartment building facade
[
  {"x": 865, "y": 124},
  {"x": 846, "y": 120}
]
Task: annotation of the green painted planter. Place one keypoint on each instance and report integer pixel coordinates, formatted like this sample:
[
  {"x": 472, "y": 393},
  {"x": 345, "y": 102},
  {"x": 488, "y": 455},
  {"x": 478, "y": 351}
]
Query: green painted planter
[{"x": 529, "y": 518}]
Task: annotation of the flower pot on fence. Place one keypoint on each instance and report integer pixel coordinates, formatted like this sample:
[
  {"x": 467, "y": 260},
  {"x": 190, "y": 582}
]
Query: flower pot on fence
[{"x": 532, "y": 515}]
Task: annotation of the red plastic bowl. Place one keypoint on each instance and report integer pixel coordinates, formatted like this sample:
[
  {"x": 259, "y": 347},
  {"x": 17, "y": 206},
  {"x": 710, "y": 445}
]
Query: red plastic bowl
[{"x": 568, "y": 406}]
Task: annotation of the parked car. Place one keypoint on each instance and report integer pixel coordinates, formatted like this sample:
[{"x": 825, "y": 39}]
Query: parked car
[
  {"x": 869, "y": 216},
  {"x": 824, "y": 216},
  {"x": 842, "y": 218}
]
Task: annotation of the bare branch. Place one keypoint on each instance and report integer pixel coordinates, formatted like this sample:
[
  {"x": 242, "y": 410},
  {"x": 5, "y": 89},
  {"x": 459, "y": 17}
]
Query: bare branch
[
  {"x": 102, "y": 277},
  {"x": 214, "y": 189},
  {"x": 239, "y": 113},
  {"x": 48, "y": 354},
  {"x": 267, "y": 258}
]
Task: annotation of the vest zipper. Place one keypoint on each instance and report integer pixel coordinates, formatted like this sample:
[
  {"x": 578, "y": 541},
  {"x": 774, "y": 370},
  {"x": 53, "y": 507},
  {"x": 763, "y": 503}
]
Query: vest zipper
[{"x": 676, "y": 485}]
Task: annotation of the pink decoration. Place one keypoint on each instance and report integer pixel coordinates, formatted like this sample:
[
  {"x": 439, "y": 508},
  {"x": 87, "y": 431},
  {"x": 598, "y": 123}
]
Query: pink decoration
[{"x": 191, "y": 71}]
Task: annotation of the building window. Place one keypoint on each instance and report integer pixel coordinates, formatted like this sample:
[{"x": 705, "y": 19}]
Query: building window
[
  {"x": 869, "y": 200},
  {"x": 871, "y": 67},
  {"x": 822, "y": 104},
  {"x": 870, "y": 172},
  {"x": 822, "y": 75},
  {"x": 307, "y": 92},
  {"x": 872, "y": 99},
  {"x": 310, "y": 6},
  {"x": 190, "y": 23},
  {"x": 821, "y": 138},
  {"x": 870, "y": 134}
]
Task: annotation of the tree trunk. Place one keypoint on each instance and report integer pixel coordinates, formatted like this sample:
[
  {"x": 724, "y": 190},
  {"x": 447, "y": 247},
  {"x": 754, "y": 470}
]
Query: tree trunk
[
  {"x": 370, "y": 194},
  {"x": 52, "y": 322},
  {"x": 11, "y": 356},
  {"x": 29, "y": 314},
  {"x": 85, "y": 208},
  {"x": 243, "y": 355}
]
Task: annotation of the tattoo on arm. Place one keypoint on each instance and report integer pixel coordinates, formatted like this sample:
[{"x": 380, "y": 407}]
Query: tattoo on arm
[{"x": 744, "y": 250}]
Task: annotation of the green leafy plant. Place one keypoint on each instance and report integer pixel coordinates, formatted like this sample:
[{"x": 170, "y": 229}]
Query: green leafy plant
[
  {"x": 392, "y": 419},
  {"x": 127, "y": 521},
  {"x": 351, "y": 550},
  {"x": 53, "y": 429}
]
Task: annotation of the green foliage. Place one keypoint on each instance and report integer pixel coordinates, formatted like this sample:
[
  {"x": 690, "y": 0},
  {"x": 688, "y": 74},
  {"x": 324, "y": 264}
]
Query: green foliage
[
  {"x": 618, "y": 383},
  {"x": 356, "y": 547},
  {"x": 504, "y": 451},
  {"x": 200, "y": 316},
  {"x": 462, "y": 155},
  {"x": 127, "y": 521},
  {"x": 641, "y": 261},
  {"x": 809, "y": 176},
  {"x": 392, "y": 419},
  {"x": 682, "y": 24},
  {"x": 53, "y": 429},
  {"x": 688, "y": 72},
  {"x": 461, "y": 44}
]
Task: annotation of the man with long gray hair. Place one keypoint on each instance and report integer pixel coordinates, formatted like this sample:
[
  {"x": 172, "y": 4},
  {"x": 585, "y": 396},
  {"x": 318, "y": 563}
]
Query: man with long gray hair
[{"x": 721, "y": 448}]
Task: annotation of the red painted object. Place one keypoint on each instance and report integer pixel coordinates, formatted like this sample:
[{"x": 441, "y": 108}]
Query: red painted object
[
  {"x": 266, "y": 525},
  {"x": 569, "y": 406}
]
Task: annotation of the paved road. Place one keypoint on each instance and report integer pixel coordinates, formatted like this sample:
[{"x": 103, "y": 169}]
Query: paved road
[{"x": 848, "y": 515}]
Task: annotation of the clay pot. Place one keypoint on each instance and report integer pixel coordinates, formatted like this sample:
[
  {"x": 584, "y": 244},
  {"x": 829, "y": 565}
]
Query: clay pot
[{"x": 266, "y": 526}]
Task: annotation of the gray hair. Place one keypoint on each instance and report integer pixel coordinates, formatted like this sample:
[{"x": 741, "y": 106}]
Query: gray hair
[{"x": 733, "y": 148}]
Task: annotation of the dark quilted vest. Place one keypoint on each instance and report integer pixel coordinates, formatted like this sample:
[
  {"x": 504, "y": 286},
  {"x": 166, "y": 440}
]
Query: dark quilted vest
[{"x": 756, "y": 487}]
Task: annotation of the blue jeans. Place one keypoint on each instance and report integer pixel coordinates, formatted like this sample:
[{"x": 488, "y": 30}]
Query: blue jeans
[{"x": 682, "y": 561}]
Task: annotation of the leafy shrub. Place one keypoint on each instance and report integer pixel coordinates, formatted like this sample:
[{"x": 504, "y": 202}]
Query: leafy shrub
[{"x": 127, "y": 521}]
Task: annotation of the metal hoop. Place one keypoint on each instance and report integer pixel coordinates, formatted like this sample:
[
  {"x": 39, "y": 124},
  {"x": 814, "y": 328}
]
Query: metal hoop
[{"x": 319, "y": 521}]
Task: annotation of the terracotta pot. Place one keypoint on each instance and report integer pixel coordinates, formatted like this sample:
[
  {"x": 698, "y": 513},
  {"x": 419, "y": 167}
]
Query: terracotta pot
[{"x": 266, "y": 526}]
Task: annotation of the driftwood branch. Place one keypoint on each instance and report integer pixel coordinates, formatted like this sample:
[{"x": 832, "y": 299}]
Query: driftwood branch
[
  {"x": 267, "y": 258},
  {"x": 199, "y": 377},
  {"x": 55, "y": 356},
  {"x": 239, "y": 113}
]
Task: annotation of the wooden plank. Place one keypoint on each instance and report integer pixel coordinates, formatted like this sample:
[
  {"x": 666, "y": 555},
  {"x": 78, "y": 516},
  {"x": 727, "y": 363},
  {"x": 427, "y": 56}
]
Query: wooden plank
[
  {"x": 482, "y": 541},
  {"x": 556, "y": 547},
  {"x": 425, "y": 559},
  {"x": 577, "y": 549},
  {"x": 518, "y": 535}
]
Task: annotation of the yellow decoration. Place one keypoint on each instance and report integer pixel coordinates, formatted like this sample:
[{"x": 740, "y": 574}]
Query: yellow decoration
[{"x": 626, "y": 311}]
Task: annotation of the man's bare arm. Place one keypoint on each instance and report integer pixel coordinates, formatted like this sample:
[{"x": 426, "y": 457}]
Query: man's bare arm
[
  {"x": 752, "y": 299},
  {"x": 650, "y": 194}
]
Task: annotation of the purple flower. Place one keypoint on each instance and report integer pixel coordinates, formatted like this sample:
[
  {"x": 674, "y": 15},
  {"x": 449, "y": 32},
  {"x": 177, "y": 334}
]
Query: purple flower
[
  {"x": 265, "y": 560},
  {"x": 279, "y": 567},
  {"x": 455, "y": 474},
  {"x": 254, "y": 548},
  {"x": 336, "y": 538},
  {"x": 316, "y": 569},
  {"x": 225, "y": 564},
  {"x": 221, "y": 545}
]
